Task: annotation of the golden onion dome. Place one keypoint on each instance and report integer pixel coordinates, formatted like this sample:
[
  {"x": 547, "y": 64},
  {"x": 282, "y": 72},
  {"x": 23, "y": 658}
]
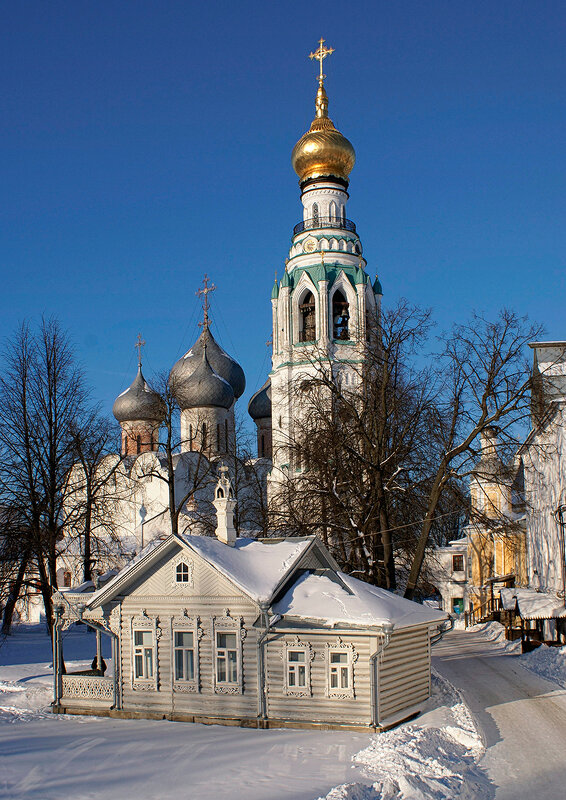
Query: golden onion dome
[{"x": 323, "y": 151}]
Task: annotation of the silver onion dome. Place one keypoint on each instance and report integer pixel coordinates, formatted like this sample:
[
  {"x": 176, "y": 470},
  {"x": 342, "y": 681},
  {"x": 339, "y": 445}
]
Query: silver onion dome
[
  {"x": 202, "y": 387},
  {"x": 139, "y": 402},
  {"x": 259, "y": 406},
  {"x": 222, "y": 364}
]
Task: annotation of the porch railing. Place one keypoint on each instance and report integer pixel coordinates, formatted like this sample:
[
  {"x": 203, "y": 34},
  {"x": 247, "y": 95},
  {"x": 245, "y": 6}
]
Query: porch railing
[
  {"x": 481, "y": 612},
  {"x": 87, "y": 687}
]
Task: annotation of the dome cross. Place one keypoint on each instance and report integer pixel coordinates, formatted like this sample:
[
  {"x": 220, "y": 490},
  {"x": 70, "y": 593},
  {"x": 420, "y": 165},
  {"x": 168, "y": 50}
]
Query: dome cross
[
  {"x": 205, "y": 292},
  {"x": 320, "y": 55},
  {"x": 138, "y": 346}
]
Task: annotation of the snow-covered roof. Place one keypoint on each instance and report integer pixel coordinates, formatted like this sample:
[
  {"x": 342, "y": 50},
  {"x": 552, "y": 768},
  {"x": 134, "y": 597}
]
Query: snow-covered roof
[
  {"x": 256, "y": 567},
  {"x": 532, "y": 604},
  {"x": 319, "y": 598}
]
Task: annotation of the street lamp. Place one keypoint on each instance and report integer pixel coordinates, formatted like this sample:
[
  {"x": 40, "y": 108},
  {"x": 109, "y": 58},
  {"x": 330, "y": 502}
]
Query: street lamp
[{"x": 560, "y": 517}]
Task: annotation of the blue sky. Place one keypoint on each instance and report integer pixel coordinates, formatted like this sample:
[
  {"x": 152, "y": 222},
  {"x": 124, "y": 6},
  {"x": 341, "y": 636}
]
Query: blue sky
[{"x": 143, "y": 144}]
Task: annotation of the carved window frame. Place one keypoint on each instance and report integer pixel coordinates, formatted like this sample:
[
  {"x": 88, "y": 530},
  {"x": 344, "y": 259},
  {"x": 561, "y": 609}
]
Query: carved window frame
[
  {"x": 176, "y": 562},
  {"x": 340, "y": 647},
  {"x": 228, "y": 624},
  {"x": 143, "y": 622},
  {"x": 182, "y": 624},
  {"x": 292, "y": 645}
]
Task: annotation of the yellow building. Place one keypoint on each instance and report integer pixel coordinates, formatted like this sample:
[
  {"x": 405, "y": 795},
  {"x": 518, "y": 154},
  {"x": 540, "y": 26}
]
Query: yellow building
[{"x": 496, "y": 532}]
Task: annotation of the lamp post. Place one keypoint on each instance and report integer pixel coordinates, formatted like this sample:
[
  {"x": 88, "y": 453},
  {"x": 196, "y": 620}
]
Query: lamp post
[{"x": 560, "y": 517}]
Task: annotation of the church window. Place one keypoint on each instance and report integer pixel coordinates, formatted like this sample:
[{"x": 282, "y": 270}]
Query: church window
[
  {"x": 280, "y": 421},
  {"x": 190, "y": 437},
  {"x": 226, "y": 658},
  {"x": 218, "y": 436},
  {"x": 143, "y": 655},
  {"x": 138, "y": 443},
  {"x": 67, "y": 578},
  {"x": 184, "y": 656},
  {"x": 307, "y": 310},
  {"x": 315, "y": 215},
  {"x": 262, "y": 449},
  {"x": 333, "y": 214},
  {"x": 340, "y": 316},
  {"x": 204, "y": 436},
  {"x": 182, "y": 573},
  {"x": 458, "y": 563},
  {"x": 226, "y": 435}
]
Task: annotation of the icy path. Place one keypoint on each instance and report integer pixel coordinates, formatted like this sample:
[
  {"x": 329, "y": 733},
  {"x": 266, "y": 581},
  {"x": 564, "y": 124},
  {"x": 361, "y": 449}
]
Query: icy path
[{"x": 522, "y": 716}]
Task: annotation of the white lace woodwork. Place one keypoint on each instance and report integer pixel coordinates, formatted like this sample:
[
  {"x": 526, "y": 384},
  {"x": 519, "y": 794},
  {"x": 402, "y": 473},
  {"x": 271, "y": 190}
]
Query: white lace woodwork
[
  {"x": 292, "y": 667},
  {"x": 182, "y": 573},
  {"x": 340, "y": 658},
  {"x": 229, "y": 625},
  {"x": 186, "y": 624},
  {"x": 145, "y": 682},
  {"x": 87, "y": 687}
]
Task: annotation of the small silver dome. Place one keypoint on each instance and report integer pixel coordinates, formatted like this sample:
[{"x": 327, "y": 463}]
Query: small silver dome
[
  {"x": 139, "y": 402},
  {"x": 222, "y": 364},
  {"x": 203, "y": 387},
  {"x": 259, "y": 406}
]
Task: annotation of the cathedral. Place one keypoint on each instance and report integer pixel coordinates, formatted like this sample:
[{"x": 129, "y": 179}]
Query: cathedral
[{"x": 323, "y": 311}]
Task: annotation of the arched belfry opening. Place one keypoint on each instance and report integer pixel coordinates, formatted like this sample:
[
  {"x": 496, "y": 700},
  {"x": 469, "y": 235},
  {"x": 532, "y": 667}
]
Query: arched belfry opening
[
  {"x": 307, "y": 310},
  {"x": 340, "y": 316}
]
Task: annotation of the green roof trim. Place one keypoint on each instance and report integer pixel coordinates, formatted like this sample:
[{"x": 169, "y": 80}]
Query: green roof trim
[
  {"x": 377, "y": 286},
  {"x": 275, "y": 290}
]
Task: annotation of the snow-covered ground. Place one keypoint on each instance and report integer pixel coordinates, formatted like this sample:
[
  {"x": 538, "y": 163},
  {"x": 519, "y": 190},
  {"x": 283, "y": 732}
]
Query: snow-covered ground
[{"x": 47, "y": 757}]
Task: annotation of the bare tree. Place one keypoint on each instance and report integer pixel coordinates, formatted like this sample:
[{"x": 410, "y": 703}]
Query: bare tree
[
  {"x": 42, "y": 393},
  {"x": 379, "y": 465},
  {"x": 92, "y": 492},
  {"x": 485, "y": 382}
]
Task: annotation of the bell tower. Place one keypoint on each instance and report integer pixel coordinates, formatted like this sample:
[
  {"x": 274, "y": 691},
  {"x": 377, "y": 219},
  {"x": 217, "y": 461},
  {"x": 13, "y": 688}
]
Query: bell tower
[{"x": 325, "y": 306}]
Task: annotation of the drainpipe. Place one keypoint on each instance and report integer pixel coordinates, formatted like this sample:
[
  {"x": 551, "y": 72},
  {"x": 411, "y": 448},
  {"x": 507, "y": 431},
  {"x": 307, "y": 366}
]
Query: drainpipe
[
  {"x": 387, "y": 630},
  {"x": 261, "y": 698}
]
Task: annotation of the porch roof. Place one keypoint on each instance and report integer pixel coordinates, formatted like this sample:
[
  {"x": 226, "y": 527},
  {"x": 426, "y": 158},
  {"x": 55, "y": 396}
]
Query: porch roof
[{"x": 532, "y": 604}]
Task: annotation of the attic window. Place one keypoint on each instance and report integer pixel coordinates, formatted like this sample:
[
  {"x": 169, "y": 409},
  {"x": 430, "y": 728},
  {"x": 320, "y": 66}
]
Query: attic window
[{"x": 182, "y": 573}]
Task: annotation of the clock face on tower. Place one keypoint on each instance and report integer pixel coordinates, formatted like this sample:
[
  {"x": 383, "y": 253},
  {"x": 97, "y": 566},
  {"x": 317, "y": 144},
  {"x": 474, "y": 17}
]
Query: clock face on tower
[{"x": 310, "y": 244}]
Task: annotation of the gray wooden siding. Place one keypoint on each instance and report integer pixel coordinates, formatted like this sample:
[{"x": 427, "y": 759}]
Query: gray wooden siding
[
  {"x": 404, "y": 673},
  {"x": 206, "y": 701},
  {"x": 319, "y": 707}
]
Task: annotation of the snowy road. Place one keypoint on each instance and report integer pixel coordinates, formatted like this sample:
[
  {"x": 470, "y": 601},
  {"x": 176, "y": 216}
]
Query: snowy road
[{"x": 521, "y": 715}]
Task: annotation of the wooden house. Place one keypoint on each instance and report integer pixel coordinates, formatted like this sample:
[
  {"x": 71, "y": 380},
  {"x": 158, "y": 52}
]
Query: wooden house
[{"x": 239, "y": 631}]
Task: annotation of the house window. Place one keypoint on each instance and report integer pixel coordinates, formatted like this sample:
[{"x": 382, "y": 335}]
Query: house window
[
  {"x": 297, "y": 657},
  {"x": 340, "y": 658},
  {"x": 339, "y": 670},
  {"x": 184, "y": 655},
  {"x": 226, "y": 658},
  {"x": 143, "y": 655},
  {"x": 458, "y": 563},
  {"x": 296, "y": 668},
  {"x": 182, "y": 573}
]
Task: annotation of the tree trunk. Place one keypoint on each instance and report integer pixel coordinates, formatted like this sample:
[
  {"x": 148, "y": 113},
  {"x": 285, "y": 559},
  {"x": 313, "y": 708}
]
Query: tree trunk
[{"x": 14, "y": 596}]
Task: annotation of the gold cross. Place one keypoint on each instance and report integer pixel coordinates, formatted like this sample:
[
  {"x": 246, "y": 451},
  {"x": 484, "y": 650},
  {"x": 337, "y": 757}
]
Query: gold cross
[
  {"x": 138, "y": 345},
  {"x": 320, "y": 55},
  {"x": 206, "y": 291}
]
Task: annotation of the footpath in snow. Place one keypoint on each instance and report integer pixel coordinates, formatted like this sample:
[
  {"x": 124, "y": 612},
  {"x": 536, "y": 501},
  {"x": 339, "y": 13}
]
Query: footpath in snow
[{"x": 439, "y": 756}]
